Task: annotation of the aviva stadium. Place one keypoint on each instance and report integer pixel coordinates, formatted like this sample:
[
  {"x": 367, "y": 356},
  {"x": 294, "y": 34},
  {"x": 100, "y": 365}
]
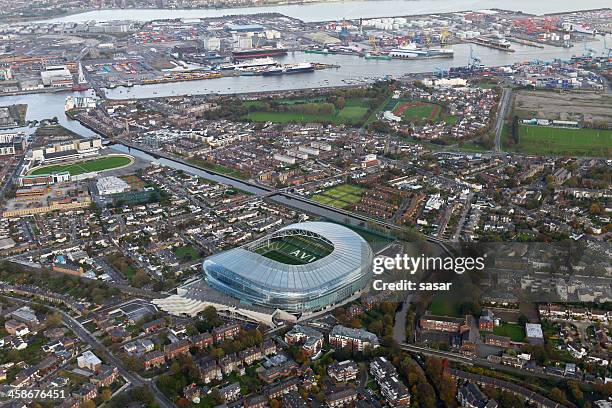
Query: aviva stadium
[{"x": 300, "y": 268}]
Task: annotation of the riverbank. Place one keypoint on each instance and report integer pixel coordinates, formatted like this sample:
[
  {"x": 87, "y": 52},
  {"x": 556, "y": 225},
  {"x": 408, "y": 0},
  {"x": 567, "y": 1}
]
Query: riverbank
[{"x": 67, "y": 14}]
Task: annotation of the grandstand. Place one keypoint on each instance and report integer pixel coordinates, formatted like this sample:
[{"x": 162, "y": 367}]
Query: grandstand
[{"x": 302, "y": 268}]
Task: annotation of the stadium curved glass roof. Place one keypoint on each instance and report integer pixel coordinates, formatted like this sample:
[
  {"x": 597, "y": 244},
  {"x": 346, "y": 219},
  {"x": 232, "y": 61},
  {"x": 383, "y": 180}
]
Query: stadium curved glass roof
[{"x": 320, "y": 278}]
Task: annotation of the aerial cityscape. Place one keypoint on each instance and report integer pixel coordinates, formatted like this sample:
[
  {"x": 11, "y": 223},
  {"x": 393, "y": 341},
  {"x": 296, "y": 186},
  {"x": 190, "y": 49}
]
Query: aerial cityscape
[{"x": 305, "y": 204}]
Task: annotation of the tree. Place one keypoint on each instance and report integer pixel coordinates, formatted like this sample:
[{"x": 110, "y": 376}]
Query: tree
[
  {"x": 558, "y": 395},
  {"x": 577, "y": 393},
  {"x": 426, "y": 395},
  {"x": 595, "y": 209},
  {"x": 210, "y": 314},
  {"x": 604, "y": 389},
  {"x": 340, "y": 103},
  {"x": 140, "y": 278},
  {"x": 302, "y": 356},
  {"x": 175, "y": 368},
  {"x": 54, "y": 319},
  {"x": 217, "y": 353},
  {"x": 509, "y": 400},
  {"x": 376, "y": 327},
  {"x": 106, "y": 394},
  {"x": 182, "y": 402},
  {"x": 514, "y": 132}
]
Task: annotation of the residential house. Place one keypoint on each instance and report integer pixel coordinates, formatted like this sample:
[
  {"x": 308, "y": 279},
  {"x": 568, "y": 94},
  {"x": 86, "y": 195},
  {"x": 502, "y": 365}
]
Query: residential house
[
  {"x": 355, "y": 339},
  {"x": 230, "y": 392},
  {"x": 341, "y": 398},
  {"x": 310, "y": 339},
  {"x": 343, "y": 371},
  {"x": 228, "y": 331},
  {"x": 153, "y": 359}
]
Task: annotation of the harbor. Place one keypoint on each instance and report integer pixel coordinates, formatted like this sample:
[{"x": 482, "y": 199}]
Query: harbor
[{"x": 177, "y": 57}]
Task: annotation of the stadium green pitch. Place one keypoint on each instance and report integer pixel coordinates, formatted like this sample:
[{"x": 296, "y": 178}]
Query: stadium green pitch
[
  {"x": 85, "y": 166},
  {"x": 295, "y": 250}
]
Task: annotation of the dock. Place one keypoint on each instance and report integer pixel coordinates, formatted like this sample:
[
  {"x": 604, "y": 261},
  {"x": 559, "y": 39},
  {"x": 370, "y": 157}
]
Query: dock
[
  {"x": 487, "y": 43},
  {"x": 525, "y": 42}
]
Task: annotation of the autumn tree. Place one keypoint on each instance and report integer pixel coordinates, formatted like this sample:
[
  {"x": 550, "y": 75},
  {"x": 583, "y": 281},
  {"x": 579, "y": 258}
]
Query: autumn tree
[{"x": 106, "y": 394}]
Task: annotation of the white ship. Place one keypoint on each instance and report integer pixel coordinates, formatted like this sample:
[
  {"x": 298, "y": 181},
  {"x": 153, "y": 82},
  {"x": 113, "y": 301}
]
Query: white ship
[
  {"x": 414, "y": 51},
  {"x": 290, "y": 69},
  {"x": 79, "y": 102},
  {"x": 252, "y": 63}
]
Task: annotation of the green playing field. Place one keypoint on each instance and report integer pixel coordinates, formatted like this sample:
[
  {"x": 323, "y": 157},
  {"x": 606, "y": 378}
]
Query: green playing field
[
  {"x": 564, "y": 141},
  {"x": 340, "y": 196},
  {"x": 84, "y": 166},
  {"x": 295, "y": 250}
]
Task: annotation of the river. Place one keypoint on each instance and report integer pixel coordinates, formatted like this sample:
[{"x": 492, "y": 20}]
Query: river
[
  {"x": 345, "y": 9},
  {"x": 352, "y": 69},
  {"x": 46, "y": 106}
]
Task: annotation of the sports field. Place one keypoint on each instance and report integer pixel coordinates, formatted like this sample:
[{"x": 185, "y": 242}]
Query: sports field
[
  {"x": 186, "y": 253},
  {"x": 417, "y": 111},
  {"x": 514, "y": 331},
  {"x": 564, "y": 142},
  {"x": 295, "y": 250},
  {"x": 341, "y": 196},
  {"x": 84, "y": 166},
  {"x": 353, "y": 112},
  {"x": 445, "y": 306}
]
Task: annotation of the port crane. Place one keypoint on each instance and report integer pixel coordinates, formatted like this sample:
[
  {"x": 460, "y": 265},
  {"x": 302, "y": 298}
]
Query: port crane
[
  {"x": 607, "y": 50},
  {"x": 474, "y": 60},
  {"x": 372, "y": 41},
  {"x": 441, "y": 73},
  {"x": 588, "y": 52},
  {"x": 444, "y": 36}
]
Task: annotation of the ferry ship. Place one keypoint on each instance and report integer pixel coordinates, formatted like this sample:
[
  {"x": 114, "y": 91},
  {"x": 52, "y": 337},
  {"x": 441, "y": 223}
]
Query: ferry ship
[
  {"x": 495, "y": 42},
  {"x": 259, "y": 52},
  {"x": 413, "y": 51},
  {"x": 322, "y": 51},
  {"x": 290, "y": 69},
  {"x": 253, "y": 63}
]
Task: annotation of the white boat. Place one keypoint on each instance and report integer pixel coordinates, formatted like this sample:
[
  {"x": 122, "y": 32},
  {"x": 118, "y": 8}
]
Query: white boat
[
  {"x": 252, "y": 63},
  {"x": 414, "y": 51}
]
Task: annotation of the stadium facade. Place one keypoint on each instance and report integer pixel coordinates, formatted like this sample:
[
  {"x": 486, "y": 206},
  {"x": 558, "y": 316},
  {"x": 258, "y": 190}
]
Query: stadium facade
[{"x": 301, "y": 268}]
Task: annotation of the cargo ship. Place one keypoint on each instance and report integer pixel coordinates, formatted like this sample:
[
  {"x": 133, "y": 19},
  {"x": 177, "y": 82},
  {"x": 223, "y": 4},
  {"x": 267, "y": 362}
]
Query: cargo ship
[
  {"x": 252, "y": 63},
  {"x": 290, "y": 69},
  {"x": 413, "y": 51},
  {"x": 259, "y": 52},
  {"x": 498, "y": 43}
]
